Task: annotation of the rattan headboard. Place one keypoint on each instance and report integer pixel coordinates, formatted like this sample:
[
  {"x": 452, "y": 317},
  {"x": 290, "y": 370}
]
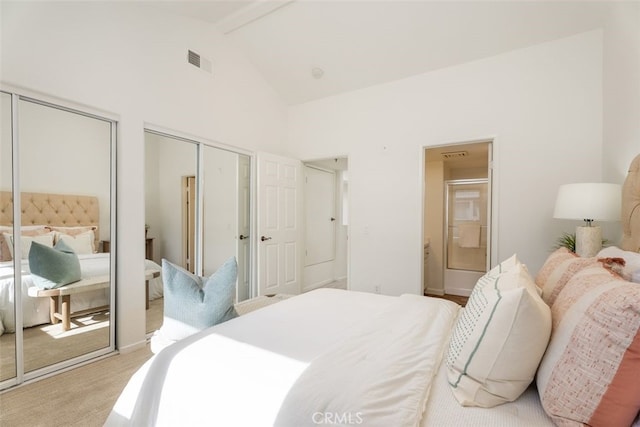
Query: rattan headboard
[
  {"x": 62, "y": 210},
  {"x": 631, "y": 208}
]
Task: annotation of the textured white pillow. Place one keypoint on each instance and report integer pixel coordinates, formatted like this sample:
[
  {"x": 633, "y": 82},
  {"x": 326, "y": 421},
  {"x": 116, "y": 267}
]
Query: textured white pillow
[
  {"x": 499, "y": 338},
  {"x": 25, "y": 242},
  {"x": 80, "y": 243}
]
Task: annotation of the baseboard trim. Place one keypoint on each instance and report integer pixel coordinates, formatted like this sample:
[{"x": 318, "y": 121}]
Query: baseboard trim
[
  {"x": 461, "y": 292},
  {"x": 324, "y": 283},
  {"x": 132, "y": 347},
  {"x": 317, "y": 285},
  {"x": 435, "y": 291}
]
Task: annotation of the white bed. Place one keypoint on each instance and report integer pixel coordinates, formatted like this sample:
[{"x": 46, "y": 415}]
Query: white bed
[
  {"x": 249, "y": 371},
  {"x": 334, "y": 357}
]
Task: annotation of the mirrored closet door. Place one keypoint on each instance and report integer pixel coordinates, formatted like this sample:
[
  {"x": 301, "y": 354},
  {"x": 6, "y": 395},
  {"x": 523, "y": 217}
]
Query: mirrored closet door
[
  {"x": 59, "y": 199},
  {"x": 197, "y": 211},
  {"x": 7, "y": 295}
]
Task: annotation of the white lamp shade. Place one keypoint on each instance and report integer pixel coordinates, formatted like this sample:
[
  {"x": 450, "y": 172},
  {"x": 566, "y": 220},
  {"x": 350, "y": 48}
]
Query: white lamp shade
[{"x": 593, "y": 201}]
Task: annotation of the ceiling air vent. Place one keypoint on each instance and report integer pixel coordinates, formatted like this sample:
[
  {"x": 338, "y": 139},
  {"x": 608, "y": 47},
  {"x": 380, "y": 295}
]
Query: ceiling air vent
[
  {"x": 195, "y": 59},
  {"x": 454, "y": 154}
]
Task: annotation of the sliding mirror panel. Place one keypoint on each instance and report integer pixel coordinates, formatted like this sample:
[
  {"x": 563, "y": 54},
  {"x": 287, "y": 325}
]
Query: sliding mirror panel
[
  {"x": 65, "y": 197},
  {"x": 7, "y": 307},
  {"x": 170, "y": 211},
  {"x": 225, "y": 213},
  {"x": 198, "y": 203}
]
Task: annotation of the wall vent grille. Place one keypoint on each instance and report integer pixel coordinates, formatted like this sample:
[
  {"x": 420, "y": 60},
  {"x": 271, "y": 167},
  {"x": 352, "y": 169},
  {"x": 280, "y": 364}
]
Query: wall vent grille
[
  {"x": 193, "y": 58},
  {"x": 198, "y": 61},
  {"x": 454, "y": 154}
]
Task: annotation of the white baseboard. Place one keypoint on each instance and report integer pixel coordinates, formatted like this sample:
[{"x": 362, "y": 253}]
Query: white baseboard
[
  {"x": 132, "y": 347},
  {"x": 317, "y": 285}
]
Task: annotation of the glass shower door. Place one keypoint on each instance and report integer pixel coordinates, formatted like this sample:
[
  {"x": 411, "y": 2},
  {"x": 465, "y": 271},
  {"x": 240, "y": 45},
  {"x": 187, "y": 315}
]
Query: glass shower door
[{"x": 466, "y": 233}]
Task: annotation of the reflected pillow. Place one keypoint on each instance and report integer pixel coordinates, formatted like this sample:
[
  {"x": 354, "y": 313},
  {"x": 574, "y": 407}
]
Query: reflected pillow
[
  {"x": 74, "y": 231},
  {"x": 26, "y": 241},
  {"x": 81, "y": 243},
  {"x": 53, "y": 267},
  {"x": 193, "y": 303},
  {"x": 6, "y": 248}
]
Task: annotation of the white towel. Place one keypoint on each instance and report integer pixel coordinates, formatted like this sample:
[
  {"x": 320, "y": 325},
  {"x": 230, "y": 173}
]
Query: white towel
[{"x": 469, "y": 235}]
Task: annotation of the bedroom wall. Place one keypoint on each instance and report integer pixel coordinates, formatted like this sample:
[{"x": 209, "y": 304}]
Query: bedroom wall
[
  {"x": 130, "y": 60},
  {"x": 621, "y": 125},
  {"x": 542, "y": 106},
  {"x": 69, "y": 137}
]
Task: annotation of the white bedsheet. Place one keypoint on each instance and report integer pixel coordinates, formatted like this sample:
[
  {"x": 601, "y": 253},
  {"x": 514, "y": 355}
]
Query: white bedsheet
[
  {"x": 36, "y": 310},
  {"x": 249, "y": 370}
]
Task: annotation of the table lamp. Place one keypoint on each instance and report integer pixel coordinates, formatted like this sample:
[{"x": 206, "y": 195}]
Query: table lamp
[{"x": 588, "y": 202}]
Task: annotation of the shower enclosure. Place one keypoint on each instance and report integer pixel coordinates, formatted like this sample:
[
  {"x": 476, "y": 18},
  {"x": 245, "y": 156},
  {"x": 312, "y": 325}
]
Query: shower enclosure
[{"x": 466, "y": 234}]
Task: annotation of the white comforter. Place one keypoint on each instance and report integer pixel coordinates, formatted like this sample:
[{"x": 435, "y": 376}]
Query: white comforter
[
  {"x": 328, "y": 355},
  {"x": 36, "y": 310}
]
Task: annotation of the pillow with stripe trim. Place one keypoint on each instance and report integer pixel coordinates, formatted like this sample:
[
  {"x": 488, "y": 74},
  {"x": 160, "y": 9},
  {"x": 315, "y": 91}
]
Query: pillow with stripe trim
[{"x": 499, "y": 338}]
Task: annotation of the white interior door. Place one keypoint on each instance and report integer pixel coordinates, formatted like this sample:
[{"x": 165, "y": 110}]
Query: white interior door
[
  {"x": 320, "y": 216},
  {"x": 279, "y": 212},
  {"x": 244, "y": 224}
]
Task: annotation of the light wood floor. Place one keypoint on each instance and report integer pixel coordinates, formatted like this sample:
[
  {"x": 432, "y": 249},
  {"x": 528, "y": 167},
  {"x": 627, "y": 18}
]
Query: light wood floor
[{"x": 81, "y": 397}]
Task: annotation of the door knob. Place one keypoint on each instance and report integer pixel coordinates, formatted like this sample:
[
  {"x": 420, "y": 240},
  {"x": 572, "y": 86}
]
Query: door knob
[
  {"x": 242, "y": 237},
  {"x": 265, "y": 238},
  {"x": 333, "y": 219}
]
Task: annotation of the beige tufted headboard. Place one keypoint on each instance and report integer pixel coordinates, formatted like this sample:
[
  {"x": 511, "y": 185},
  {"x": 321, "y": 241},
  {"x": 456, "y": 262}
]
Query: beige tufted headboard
[
  {"x": 62, "y": 210},
  {"x": 631, "y": 208}
]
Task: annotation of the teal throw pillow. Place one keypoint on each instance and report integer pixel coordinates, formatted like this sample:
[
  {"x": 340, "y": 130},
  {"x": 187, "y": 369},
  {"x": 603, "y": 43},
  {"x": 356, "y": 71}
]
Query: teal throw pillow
[
  {"x": 193, "y": 303},
  {"x": 53, "y": 267}
]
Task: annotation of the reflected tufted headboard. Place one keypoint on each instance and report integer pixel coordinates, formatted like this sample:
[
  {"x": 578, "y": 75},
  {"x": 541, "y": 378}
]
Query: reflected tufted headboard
[
  {"x": 631, "y": 208},
  {"x": 62, "y": 210}
]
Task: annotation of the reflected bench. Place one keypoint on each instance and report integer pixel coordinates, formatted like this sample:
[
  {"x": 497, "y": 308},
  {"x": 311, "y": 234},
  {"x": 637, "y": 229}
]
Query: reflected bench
[{"x": 60, "y": 298}]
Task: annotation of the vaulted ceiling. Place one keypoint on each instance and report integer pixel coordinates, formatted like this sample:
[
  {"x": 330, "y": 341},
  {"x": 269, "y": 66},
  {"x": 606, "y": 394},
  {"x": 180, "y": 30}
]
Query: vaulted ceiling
[{"x": 310, "y": 49}]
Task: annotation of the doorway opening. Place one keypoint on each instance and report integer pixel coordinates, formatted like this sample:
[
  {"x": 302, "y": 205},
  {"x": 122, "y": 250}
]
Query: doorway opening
[
  {"x": 326, "y": 223},
  {"x": 457, "y": 217}
]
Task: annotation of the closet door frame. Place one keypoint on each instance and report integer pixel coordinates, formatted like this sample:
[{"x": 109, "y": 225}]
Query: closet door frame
[
  {"x": 201, "y": 143},
  {"x": 20, "y": 94}
]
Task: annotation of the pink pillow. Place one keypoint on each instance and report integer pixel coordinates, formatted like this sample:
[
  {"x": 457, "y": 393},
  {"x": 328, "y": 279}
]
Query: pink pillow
[
  {"x": 590, "y": 373},
  {"x": 559, "y": 267}
]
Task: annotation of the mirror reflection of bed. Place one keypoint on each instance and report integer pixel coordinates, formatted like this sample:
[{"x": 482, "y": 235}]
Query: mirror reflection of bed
[
  {"x": 63, "y": 174},
  {"x": 49, "y": 216}
]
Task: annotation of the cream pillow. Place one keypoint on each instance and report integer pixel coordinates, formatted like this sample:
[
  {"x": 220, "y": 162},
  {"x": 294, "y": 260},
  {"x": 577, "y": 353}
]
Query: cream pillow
[
  {"x": 6, "y": 253},
  {"x": 499, "y": 338},
  {"x": 25, "y": 242},
  {"x": 80, "y": 243}
]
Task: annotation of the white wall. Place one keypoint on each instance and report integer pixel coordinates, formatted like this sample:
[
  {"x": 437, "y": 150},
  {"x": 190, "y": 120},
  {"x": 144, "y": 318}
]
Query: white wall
[
  {"x": 542, "y": 105},
  {"x": 130, "y": 60},
  {"x": 167, "y": 161},
  {"x": 621, "y": 90}
]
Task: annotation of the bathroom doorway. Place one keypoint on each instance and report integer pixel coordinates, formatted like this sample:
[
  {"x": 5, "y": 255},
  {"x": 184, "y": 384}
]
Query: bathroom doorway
[{"x": 457, "y": 217}]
